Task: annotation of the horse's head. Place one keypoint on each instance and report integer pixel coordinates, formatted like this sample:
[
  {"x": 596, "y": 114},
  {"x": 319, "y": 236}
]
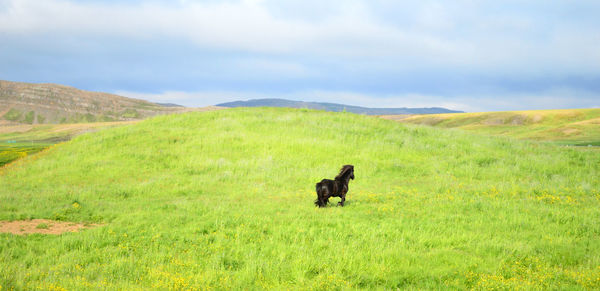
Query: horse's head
[{"x": 346, "y": 171}]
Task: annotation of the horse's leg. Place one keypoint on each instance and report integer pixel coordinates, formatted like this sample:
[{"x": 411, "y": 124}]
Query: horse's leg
[
  {"x": 322, "y": 201},
  {"x": 322, "y": 198},
  {"x": 341, "y": 203},
  {"x": 326, "y": 196},
  {"x": 319, "y": 201}
]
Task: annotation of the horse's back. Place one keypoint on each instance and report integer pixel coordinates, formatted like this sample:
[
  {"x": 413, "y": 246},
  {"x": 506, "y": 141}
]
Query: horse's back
[
  {"x": 325, "y": 182},
  {"x": 325, "y": 185}
]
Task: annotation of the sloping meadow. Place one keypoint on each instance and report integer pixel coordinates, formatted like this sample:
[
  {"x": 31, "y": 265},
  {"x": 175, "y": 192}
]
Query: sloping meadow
[
  {"x": 563, "y": 126},
  {"x": 225, "y": 200}
]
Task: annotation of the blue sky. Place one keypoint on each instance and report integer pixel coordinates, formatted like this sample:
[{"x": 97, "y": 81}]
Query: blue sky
[{"x": 465, "y": 55}]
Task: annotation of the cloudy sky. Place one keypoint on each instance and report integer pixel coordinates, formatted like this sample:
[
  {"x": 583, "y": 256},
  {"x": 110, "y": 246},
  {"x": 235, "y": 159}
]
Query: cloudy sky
[{"x": 465, "y": 55}]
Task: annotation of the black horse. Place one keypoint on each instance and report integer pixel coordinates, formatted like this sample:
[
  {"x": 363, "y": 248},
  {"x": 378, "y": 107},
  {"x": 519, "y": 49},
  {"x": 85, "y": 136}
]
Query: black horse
[{"x": 334, "y": 188}]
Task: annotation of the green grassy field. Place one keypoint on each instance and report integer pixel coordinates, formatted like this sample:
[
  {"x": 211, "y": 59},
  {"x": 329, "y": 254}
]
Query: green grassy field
[
  {"x": 565, "y": 126},
  {"x": 13, "y": 151},
  {"x": 18, "y": 141},
  {"x": 224, "y": 200}
]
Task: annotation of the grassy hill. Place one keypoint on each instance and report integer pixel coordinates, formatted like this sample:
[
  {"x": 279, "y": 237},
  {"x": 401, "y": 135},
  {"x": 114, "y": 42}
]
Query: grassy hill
[
  {"x": 18, "y": 141},
  {"x": 224, "y": 200},
  {"x": 27, "y": 103},
  {"x": 566, "y": 126}
]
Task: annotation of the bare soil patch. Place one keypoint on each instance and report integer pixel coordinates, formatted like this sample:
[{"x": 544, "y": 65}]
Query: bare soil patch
[
  {"x": 518, "y": 120},
  {"x": 44, "y": 226},
  {"x": 10, "y": 127},
  {"x": 494, "y": 121},
  {"x": 396, "y": 117},
  {"x": 589, "y": 121},
  {"x": 570, "y": 131}
]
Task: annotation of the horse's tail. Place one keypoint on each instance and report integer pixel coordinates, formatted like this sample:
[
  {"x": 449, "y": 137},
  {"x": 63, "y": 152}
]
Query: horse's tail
[{"x": 318, "y": 201}]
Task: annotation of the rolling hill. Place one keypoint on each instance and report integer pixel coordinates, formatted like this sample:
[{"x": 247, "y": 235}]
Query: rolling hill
[
  {"x": 565, "y": 126},
  {"x": 224, "y": 200},
  {"x": 27, "y": 103},
  {"x": 333, "y": 107},
  {"x": 18, "y": 141}
]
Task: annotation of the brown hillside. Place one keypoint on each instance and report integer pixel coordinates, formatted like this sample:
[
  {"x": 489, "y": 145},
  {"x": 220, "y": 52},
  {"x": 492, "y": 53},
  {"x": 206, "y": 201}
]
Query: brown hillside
[{"x": 26, "y": 103}]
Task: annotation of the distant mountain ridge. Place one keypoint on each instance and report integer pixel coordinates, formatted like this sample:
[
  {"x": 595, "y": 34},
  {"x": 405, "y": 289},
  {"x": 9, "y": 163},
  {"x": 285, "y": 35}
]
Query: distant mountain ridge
[
  {"x": 274, "y": 102},
  {"x": 29, "y": 103},
  {"x": 169, "y": 104}
]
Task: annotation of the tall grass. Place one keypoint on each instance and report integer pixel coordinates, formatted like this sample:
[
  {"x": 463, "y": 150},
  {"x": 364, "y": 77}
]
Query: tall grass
[{"x": 223, "y": 200}]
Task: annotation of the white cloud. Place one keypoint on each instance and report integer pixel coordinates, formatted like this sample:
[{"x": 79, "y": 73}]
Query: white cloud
[
  {"x": 438, "y": 34},
  {"x": 465, "y": 55},
  {"x": 281, "y": 69}
]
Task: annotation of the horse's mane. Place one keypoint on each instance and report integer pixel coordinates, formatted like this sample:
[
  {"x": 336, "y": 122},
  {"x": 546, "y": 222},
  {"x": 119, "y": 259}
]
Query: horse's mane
[{"x": 343, "y": 171}]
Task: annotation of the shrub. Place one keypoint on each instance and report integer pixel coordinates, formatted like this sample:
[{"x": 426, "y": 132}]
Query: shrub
[
  {"x": 13, "y": 115},
  {"x": 29, "y": 117},
  {"x": 130, "y": 113},
  {"x": 41, "y": 118}
]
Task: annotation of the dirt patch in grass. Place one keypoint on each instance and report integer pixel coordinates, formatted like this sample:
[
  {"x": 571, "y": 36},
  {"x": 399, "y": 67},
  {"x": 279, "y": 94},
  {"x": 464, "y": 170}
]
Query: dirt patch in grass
[
  {"x": 44, "y": 226},
  {"x": 518, "y": 120},
  {"x": 9, "y": 127},
  {"x": 589, "y": 121},
  {"x": 570, "y": 131},
  {"x": 396, "y": 117},
  {"x": 494, "y": 121}
]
